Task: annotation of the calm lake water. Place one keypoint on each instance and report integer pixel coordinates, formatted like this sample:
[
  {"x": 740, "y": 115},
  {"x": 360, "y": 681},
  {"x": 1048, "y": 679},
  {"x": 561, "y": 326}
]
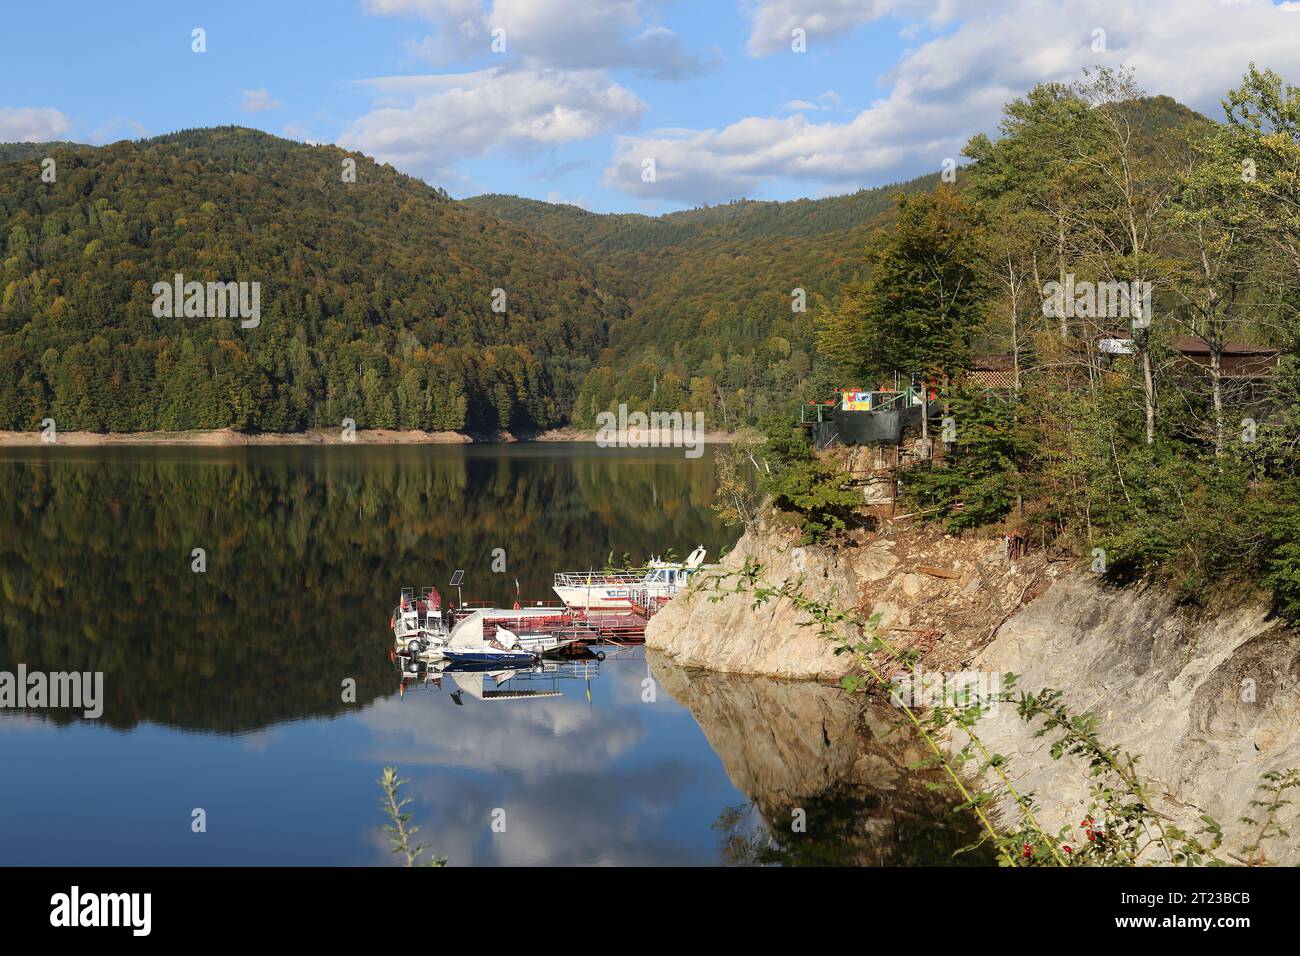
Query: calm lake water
[{"x": 223, "y": 689}]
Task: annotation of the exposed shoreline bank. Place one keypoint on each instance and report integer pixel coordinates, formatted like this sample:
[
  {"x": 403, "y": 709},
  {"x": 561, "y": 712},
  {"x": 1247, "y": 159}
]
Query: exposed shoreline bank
[
  {"x": 369, "y": 436},
  {"x": 1205, "y": 698}
]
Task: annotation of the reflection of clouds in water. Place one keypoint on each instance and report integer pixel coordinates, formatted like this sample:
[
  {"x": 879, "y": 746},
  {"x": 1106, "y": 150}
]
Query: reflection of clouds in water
[
  {"x": 620, "y": 816},
  {"x": 526, "y": 737},
  {"x": 583, "y": 818},
  {"x": 260, "y": 741},
  {"x": 573, "y": 791},
  {"x": 625, "y": 676}
]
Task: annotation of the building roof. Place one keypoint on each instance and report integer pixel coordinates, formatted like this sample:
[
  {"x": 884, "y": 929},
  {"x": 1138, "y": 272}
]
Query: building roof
[
  {"x": 1237, "y": 360},
  {"x": 1192, "y": 345}
]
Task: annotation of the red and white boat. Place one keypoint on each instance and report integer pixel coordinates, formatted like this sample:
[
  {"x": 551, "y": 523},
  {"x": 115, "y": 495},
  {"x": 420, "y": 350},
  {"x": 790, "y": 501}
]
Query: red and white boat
[{"x": 627, "y": 590}]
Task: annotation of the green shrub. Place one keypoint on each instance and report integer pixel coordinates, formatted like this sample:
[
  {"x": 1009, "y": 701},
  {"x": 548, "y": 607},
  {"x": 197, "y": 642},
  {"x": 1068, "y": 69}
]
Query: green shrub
[
  {"x": 981, "y": 476},
  {"x": 812, "y": 491}
]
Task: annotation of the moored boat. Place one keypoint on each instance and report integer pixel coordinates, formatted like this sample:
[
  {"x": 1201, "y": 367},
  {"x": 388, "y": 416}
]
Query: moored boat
[
  {"x": 468, "y": 643},
  {"x": 418, "y": 622},
  {"x": 541, "y": 642},
  {"x": 627, "y": 590}
]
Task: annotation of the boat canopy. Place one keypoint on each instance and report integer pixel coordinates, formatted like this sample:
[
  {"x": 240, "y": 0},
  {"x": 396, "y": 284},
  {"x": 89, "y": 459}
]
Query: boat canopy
[{"x": 468, "y": 632}]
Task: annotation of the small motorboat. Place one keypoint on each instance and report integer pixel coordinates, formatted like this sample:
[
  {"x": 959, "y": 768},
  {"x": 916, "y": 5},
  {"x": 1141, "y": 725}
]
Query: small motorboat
[
  {"x": 497, "y": 656},
  {"x": 467, "y": 643},
  {"x": 545, "y": 642}
]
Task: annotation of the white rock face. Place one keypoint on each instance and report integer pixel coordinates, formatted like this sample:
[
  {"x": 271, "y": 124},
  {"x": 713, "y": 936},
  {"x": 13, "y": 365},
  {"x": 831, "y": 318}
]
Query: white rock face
[
  {"x": 1208, "y": 705},
  {"x": 733, "y": 636}
]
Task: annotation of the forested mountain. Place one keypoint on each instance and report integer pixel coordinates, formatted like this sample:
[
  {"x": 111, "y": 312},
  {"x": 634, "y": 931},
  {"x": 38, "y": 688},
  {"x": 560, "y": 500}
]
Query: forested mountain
[
  {"x": 37, "y": 151},
  {"x": 600, "y": 234},
  {"x": 376, "y": 295},
  {"x": 709, "y": 319}
]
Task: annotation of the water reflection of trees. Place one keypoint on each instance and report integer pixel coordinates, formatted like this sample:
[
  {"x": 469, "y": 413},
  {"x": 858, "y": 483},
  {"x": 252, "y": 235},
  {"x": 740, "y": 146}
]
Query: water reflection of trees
[
  {"x": 854, "y": 826},
  {"x": 305, "y": 551}
]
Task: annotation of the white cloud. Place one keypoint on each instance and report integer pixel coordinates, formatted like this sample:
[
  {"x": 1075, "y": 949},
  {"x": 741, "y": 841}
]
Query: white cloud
[
  {"x": 25, "y": 124},
  {"x": 954, "y": 85},
  {"x": 256, "y": 101},
  {"x": 540, "y": 34},
  {"x": 438, "y": 119},
  {"x": 556, "y": 170},
  {"x": 829, "y": 21},
  {"x": 828, "y": 100}
]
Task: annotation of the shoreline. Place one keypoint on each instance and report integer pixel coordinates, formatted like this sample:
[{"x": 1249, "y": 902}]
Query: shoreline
[{"x": 228, "y": 437}]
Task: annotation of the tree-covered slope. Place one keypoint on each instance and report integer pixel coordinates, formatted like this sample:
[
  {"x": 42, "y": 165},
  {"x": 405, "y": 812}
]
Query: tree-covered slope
[
  {"x": 708, "y": 295},
  {"x": 376, "y": 295}
]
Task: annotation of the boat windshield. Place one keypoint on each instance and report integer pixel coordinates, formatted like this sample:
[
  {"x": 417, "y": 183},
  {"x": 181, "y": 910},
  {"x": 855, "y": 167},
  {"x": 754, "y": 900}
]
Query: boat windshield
[{"x": 663, "y": 576}]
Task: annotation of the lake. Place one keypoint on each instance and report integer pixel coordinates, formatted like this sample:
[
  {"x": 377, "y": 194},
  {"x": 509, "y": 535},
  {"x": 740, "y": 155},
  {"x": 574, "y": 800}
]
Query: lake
[{"x": 224, "y": 674}]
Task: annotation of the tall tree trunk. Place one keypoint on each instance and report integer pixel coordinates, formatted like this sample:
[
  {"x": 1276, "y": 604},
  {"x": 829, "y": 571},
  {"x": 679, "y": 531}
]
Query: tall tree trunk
[
  {"x": 1060, "y": 268},
  {"x": 1216, "y": 389},
  {"x": 925, "y": 414},
  {"x": 1015, "y": 350},
  {"x": 1015, "y": 322},
  {"x": 1149, "y": 395}
]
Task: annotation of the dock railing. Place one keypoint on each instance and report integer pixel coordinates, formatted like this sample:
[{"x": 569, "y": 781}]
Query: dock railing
[
  {"x": 647, "y": 604},
  {"x": 587, "y": 579},
  {"x": 880, "y": 400}
]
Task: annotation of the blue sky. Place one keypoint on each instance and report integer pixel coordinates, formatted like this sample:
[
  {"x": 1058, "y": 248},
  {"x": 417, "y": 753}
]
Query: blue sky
[{"x": 587, "y": 91}]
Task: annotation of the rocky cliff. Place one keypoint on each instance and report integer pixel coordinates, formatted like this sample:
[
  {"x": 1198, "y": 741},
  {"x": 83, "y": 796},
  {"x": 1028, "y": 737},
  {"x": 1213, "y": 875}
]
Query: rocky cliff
[
  {"x": 725, "y": 632},
  {"x": 1208, "y": 702},
  {"x": 930, "y": 590}
]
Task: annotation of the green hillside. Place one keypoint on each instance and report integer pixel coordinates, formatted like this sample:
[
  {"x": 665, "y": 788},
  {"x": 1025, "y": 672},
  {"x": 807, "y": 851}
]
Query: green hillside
[
  {"x": 376, "y": 295},
  {"x": 708, "y": 319}
]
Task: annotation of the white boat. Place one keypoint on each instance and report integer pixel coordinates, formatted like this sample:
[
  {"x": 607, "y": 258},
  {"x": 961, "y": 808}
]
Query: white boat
[
  {"x": 468, "y": 643},
  {"x": 418, "y": 624},
  {"x": 541, "y": 643},
  {"x": 627, "y": 590}
]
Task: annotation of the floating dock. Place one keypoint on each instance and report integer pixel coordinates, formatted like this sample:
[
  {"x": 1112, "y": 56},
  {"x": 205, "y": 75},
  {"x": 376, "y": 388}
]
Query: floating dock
[{"x": 584, "y": 627}]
